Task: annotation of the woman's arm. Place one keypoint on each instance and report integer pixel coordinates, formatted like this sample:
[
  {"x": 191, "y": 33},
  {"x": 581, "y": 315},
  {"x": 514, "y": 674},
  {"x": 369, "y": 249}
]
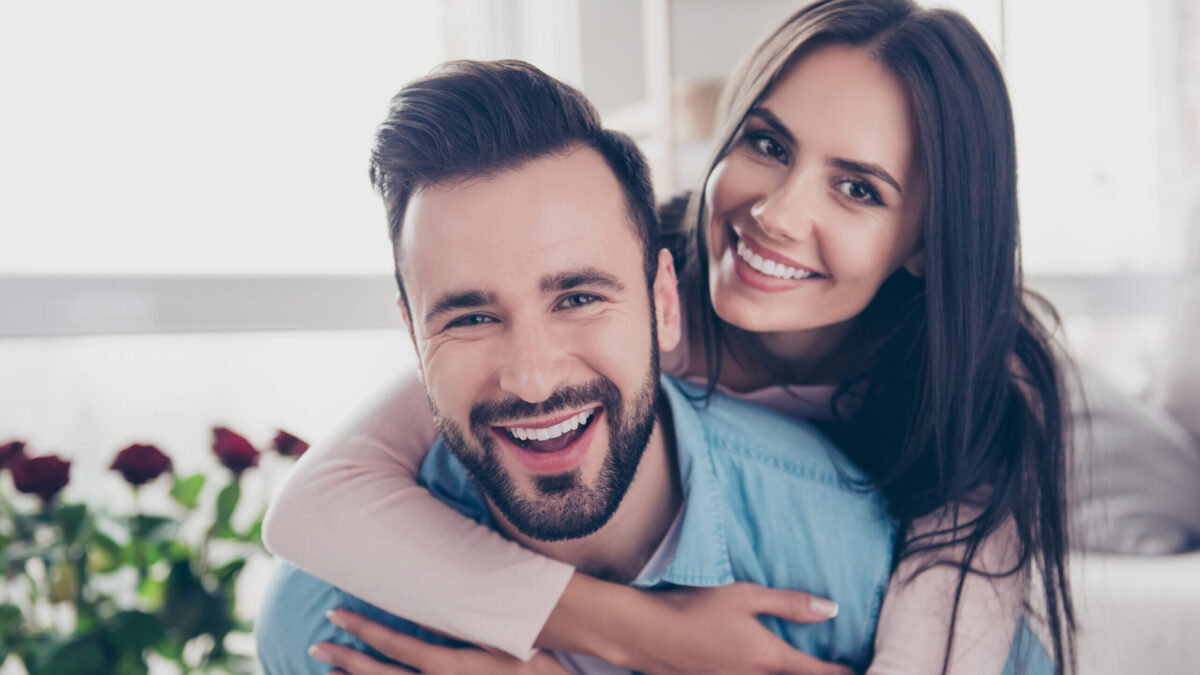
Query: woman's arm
[
  {"x": 915, "y": 621},
  {"x": 352, "y": 513}
]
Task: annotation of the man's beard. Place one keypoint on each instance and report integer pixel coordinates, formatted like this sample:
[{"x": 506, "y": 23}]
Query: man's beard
[{"x": 562, "y": 506}]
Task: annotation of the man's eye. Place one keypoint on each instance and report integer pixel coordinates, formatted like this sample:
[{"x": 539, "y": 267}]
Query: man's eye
[
  {"x": 859, "y": 191},
  {"x": 470, "y": 320},
  {"x": 577, "y": 300}
]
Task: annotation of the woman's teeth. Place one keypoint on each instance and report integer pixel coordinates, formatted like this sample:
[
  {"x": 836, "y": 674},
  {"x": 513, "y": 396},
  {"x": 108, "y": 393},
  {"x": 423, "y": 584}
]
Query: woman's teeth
[
  {"x": 769, "y": 267},
  {"x": 545, "y": 434}
]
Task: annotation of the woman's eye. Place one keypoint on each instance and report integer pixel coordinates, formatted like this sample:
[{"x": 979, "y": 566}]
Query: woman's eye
[
  {"x": 470, "y": 320},
  {"x": 767, "y": 146},
  {"x": 577, "y": 300},
  {"x": 859, "y": 191}
]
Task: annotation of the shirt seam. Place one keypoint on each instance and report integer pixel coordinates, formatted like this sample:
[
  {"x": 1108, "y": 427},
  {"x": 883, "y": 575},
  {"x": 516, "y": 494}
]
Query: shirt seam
[{"x": 796, "y": 468}]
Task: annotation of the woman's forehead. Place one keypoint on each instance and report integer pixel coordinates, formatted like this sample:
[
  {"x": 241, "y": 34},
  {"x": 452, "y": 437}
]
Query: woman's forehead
[{"x": 840, "y": 101}]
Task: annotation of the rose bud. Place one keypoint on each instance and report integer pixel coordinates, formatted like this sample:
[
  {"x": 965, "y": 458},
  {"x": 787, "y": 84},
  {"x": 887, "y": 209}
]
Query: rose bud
[
  {"x": 287, "y": 444},
  {"x": 41, "y": 476},
  {"x": 11, "y": 453},
  {"x": 234, "y": 451},
  {"x": 140, "y": 464}
]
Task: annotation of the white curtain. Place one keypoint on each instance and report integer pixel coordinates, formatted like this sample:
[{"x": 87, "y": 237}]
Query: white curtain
[{"x": 1179, "y": 386}]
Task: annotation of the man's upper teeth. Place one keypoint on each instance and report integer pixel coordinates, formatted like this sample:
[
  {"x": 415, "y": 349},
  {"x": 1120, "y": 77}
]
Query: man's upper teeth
[
  {"x": 546, "y": 433},
  {"x": 769, "y": 267}
]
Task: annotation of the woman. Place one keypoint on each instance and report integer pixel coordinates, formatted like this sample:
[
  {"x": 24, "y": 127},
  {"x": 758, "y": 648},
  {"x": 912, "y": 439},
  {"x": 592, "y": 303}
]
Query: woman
[{"x": 852, "y": 258}]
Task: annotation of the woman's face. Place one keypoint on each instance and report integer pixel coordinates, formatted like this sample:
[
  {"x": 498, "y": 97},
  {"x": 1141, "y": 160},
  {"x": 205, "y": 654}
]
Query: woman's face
[{"x": 817, "y": 201}]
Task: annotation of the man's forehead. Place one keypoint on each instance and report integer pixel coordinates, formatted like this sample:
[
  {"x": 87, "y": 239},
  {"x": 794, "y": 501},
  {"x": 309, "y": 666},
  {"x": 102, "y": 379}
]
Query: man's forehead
[{"x": 552, "y": 216}]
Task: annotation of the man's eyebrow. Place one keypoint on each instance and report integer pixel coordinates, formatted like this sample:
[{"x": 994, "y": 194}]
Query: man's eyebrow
[
  {"x": 458, "y": 300},
  {"x": 867, "y": 168},
  {"x": 587, "y": 276}
]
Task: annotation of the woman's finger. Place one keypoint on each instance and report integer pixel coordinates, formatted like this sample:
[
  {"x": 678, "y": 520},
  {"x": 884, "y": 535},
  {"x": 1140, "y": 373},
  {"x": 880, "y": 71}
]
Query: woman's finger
[
  {"x": 795, "y": 606},
  {"x": 397, "y": 646},
  {"x": 351, "y": 660}
]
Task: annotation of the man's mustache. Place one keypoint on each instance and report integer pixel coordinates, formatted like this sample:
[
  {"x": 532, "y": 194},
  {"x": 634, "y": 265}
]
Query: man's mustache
[{"x": 600, "y": 390}]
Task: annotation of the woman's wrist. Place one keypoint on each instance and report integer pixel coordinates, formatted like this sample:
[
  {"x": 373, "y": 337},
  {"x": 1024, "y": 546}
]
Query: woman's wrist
[{"x": 595, "y": 617}]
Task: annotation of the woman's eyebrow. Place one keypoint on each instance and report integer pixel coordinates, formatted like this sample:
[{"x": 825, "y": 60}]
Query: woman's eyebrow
[
  {"x": 774, "y": 122},
  {"x": 868, "y": 168}
]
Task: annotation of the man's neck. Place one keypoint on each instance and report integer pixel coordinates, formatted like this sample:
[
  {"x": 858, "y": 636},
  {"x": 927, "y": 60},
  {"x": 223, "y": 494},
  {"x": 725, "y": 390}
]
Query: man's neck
[{"x": 619, "y": 550}]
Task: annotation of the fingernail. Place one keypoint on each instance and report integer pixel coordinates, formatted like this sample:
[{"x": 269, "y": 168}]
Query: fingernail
[
  {"x": 319, "y": 654},
  {"x": 335, "y": 619},
  {"x": 823, "y": 606}
]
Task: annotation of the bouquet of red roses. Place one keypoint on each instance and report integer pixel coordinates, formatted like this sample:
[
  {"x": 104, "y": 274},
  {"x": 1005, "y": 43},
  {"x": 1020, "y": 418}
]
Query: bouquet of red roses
[{"x": 91, "y": 591}]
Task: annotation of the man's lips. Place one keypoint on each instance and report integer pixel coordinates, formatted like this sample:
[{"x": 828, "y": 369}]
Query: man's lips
[
  {"x": 557, "y": 444},
  {"x": 556, "y": 424}
]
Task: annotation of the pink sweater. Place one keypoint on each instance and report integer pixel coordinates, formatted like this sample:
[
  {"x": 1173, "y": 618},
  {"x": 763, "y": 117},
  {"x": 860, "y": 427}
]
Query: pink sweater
[{"x": 353, "y": 514}]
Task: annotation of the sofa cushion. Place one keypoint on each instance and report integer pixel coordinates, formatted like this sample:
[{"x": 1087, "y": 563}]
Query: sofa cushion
[
  {"x": 1179, "y": 383},
  {"x": 1135, "y": 480}
]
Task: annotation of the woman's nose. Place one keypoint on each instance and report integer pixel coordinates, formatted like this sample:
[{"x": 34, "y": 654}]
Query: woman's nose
[{"x": 785, "y": 212}]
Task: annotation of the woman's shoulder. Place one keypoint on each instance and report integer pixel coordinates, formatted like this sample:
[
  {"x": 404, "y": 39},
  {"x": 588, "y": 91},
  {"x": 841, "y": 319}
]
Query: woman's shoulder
[{"x": 947, "y": 528}]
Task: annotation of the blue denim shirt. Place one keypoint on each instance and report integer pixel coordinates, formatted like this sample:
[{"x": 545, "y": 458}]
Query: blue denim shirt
[{"x": 768, "y": 500}]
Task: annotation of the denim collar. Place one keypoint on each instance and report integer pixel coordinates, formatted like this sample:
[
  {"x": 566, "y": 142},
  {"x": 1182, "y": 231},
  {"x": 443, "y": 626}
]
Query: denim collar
[{"x": 701, "y": 557}]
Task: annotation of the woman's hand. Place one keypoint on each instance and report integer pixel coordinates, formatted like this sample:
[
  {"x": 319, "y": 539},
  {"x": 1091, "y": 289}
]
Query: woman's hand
[
  {"x": 428, "y": 658},
  {"x": 694, "y": 630}
]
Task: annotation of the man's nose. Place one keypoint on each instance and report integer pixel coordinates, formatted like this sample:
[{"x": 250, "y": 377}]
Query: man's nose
[
  {"x": 534, "y": 364},
  {"x": 787, "y": 211}
]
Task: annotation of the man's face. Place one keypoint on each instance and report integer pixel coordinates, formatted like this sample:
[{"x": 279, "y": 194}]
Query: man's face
[{"x": 536, "y": 336}]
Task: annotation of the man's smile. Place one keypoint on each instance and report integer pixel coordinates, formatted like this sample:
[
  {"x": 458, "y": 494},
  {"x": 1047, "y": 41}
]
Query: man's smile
[
  {"x": 548, "y": 430},
  {"x": 552, "y": 445}
]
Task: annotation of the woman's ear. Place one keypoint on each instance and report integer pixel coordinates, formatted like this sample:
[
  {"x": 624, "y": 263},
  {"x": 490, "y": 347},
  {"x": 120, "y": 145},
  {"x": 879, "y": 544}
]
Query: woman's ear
[{"x": 666, "y": 303}]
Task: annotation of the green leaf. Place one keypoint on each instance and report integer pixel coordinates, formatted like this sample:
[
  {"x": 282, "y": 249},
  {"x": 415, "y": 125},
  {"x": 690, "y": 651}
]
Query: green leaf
[
  {"x": 226, "y": 574},
  {"x": 24, "y": 525},
  {"x": 151, "y": 591},
  {"x": 79, "y": 655},
  {"x": 16, "y": 555},
  {"x": 10, "y": 620},
  {"x": 133, "y": 631},
  {"x": 131, "y": 664},
  {"x": 186, "y": 491},
  {"x": 70, "y": 518},
  {"x": 254, "y": 534},
  {"x": 153, "y": 528},
  {"x": 141, "y": 554},
  {"x": 227, "y": 502},
  {"x": 184, "y": 603},
  {"x": 178, "y": 551},
  {"x": 105, "y": 556},
  {"x": 170, "y": 649},
  {"x": 64, "y": 582}
]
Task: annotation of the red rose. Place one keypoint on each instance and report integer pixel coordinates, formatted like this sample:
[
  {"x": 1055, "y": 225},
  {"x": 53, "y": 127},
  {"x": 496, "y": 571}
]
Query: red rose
[
  {"x": 234, "y": 451},
  {"x": 287, "y": 444},
  {"x": 140, "y": 464},
  {"x": 12, "y": 453},
  {"x": 41, "y": 476}
]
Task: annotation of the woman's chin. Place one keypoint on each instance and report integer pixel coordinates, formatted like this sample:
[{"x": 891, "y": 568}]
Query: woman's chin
[{"x": 741, "y": 314}]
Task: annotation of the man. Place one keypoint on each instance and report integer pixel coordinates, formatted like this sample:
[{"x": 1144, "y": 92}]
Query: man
[{"x": 535, "y": 296}]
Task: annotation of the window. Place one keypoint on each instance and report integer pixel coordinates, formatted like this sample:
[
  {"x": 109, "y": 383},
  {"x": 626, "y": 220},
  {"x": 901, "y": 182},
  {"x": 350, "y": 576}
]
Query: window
[{"x": 173, "y": 169}]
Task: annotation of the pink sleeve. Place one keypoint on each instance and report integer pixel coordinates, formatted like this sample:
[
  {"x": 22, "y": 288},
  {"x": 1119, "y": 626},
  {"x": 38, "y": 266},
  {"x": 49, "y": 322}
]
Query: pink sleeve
[
  {"x": 915, "y": 620},
  {"x": 352, "y": 513}
]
